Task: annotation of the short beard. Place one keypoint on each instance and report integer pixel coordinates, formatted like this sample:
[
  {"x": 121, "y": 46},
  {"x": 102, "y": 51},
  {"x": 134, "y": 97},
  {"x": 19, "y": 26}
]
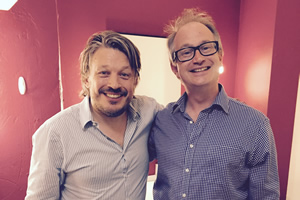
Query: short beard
[
  {"x": 116, "y": 113},
  {"x": 113, "y": 113}
]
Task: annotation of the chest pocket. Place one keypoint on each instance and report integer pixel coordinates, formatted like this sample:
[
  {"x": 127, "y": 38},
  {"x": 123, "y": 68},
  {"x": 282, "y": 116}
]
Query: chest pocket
[{"x": 224, "y": 165}]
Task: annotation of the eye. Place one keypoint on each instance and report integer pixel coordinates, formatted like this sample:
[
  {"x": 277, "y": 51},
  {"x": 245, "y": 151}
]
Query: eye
[
  {"x": 103, "y": 73},
  {"x": 207, "y": 47},
  {"x": 185, "y": 52},
  {"x": 125, "y": 75}
]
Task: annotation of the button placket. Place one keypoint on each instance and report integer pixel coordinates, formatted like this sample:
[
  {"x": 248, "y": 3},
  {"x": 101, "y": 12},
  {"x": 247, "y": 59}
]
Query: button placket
[{"x": 194, "y": 130}]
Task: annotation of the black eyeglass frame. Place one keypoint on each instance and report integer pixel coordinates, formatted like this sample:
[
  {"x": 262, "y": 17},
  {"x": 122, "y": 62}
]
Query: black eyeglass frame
[{"x": 175, "y": 56}]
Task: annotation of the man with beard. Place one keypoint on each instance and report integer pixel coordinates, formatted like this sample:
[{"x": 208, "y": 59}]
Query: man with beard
[{"x": 97, "y": 149}]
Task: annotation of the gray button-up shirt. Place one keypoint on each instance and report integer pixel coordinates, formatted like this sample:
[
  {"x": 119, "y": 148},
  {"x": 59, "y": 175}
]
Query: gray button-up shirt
[{"x": 73, "y": 159}]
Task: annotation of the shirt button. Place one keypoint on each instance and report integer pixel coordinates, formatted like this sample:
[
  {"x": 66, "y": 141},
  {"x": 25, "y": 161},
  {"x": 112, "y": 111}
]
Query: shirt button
[
  {"x": 191, "y": 146},
  {"x": 191, "y": 122},
  {"x": 187, "y": 170},
  {"x": 184, "y": 195}
]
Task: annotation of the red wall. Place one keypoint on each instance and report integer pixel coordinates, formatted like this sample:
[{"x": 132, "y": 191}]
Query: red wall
[
  {"x": 267, "y": 70},
  {"x": 28, "y": 48},
  {"x": 255, "y": 48},
  {"x": 284, "y": 82}
]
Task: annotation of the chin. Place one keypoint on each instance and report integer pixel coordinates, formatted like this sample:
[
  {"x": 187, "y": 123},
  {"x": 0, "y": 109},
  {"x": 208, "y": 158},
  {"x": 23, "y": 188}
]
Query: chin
[{"x": 114, "y": 112}]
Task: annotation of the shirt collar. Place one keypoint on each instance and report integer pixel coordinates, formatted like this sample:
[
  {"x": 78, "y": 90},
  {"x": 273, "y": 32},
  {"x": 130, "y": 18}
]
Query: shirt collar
[
  {"x": 85, "y": 112},
  {"x": 180, "y": 104},
  {"x": 86, "y": 117},
  {"x": 133, "y": 111},
  {"x": 222, "y": 100}
]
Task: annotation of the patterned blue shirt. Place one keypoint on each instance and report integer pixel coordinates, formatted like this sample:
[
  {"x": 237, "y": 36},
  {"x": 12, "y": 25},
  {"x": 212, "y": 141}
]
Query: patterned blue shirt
[
  {"x": 72, "y": 158},
  {"x": 228, "y": 153}
]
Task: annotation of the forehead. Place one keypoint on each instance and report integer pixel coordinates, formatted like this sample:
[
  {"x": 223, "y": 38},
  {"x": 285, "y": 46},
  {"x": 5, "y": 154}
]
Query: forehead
[
  {"x": 107, "y": 53},
  {"x": 109, "y": 57},
  {"x": 192, "y": 34}
]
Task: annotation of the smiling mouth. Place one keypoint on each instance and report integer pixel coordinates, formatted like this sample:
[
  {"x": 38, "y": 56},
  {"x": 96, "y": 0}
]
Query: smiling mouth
[
  {"x": 200, "y": 69},
  {"x": 113, "y": 96},
  {"x": 113, "y": 93}
]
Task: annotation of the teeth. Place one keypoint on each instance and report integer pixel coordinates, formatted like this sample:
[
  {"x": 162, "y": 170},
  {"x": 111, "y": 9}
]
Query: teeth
[
  {"x": 113, "y": 95},
  {"x": 201, "y": 69}
]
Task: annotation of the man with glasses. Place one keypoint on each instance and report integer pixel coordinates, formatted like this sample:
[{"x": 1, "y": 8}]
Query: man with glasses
[{"x": 208, "y": 145}]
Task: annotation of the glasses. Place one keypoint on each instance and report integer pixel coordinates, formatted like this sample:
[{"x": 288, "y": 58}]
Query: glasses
[{"x": 188, "y": 53}]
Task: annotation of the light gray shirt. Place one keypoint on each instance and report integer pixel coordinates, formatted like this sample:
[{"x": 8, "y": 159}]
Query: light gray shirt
[{"x": 72, "y": 158}]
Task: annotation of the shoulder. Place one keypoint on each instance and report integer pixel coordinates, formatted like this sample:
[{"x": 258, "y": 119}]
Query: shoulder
[
  {"x": 141, "y": 103},
  {"x": 60, "y": 120},
  {"x": 167, "y": 111},
  {"x": 65, "y": 115},
  {"x": 141, "y": 99},
  {"x": 242, "y": 110}
]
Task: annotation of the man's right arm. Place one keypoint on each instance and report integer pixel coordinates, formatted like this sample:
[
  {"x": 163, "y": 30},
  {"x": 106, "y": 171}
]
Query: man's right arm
[
  {"x": 151, "y": 144},
  {"x": 45, "y": 166}
]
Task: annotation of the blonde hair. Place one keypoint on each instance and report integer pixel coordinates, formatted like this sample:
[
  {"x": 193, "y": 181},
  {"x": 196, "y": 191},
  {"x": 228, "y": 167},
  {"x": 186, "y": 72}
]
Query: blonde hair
[
  {"x": 190, "y": 15},
  {"x": 108, "y": 39}
]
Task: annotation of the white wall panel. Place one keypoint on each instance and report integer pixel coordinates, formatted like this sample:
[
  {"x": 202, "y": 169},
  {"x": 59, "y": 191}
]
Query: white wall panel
[
  {"x": 293, "y": 192},
  {"x": 157, "y": 79}
]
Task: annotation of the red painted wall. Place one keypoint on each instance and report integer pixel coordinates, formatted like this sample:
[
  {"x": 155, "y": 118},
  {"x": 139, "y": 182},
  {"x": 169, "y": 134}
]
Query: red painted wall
[
  {"x": 78, "y": 21},
  {"x": 284, "y": 82},
  {"x": 255, "y": 48},
  {"x": 267, "y": 70},
  {"x": 28, "y": 48}
]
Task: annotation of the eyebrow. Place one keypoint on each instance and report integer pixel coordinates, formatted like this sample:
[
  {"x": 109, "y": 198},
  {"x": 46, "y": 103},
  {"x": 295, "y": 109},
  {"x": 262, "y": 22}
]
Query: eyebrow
[
  {"x": 100, "y": 67},
  {"x": 188, "y": 45},
  {"x": 126, "y": 67}
]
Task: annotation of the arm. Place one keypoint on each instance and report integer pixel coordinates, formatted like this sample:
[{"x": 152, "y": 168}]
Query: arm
[
  {"x": 264, "y": 180},
  {"x": 151, "y": 143},
  {"x": 45, "y": 174},
  {"x": 151, "y": 146}
]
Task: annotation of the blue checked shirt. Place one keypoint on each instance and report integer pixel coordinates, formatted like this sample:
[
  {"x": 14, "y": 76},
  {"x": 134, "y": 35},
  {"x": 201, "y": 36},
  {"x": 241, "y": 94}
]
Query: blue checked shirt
[
  {"x": 72, "y": 159},
  {"x": 228, "y": 153}
]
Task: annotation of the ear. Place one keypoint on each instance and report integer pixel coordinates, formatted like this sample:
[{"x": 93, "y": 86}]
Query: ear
[
  {"x": 175, "y": 70},
  {"x": 86, "y": 82},
  {"x": 220, "y": 56},
  {"x": 136, "y": 81}
]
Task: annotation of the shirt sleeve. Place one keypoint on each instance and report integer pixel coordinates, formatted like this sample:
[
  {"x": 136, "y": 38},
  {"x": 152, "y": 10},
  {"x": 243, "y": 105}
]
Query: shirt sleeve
[
  {"x": 264, "y": 179},
  {"x": 45, "y": 175},
  {"x": 151, "y": 145}
]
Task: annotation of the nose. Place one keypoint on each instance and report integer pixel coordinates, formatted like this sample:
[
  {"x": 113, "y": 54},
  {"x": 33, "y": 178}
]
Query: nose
[
  {"x": 198, "y": 57},
  {"x": 113, "y": 82}
]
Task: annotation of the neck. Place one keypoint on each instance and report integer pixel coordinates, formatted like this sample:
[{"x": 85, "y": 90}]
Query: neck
[
  {"x": 112, "y": 127},
  {"x": 200, "y": 99},
  {"x": 101, "y": 118}
]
